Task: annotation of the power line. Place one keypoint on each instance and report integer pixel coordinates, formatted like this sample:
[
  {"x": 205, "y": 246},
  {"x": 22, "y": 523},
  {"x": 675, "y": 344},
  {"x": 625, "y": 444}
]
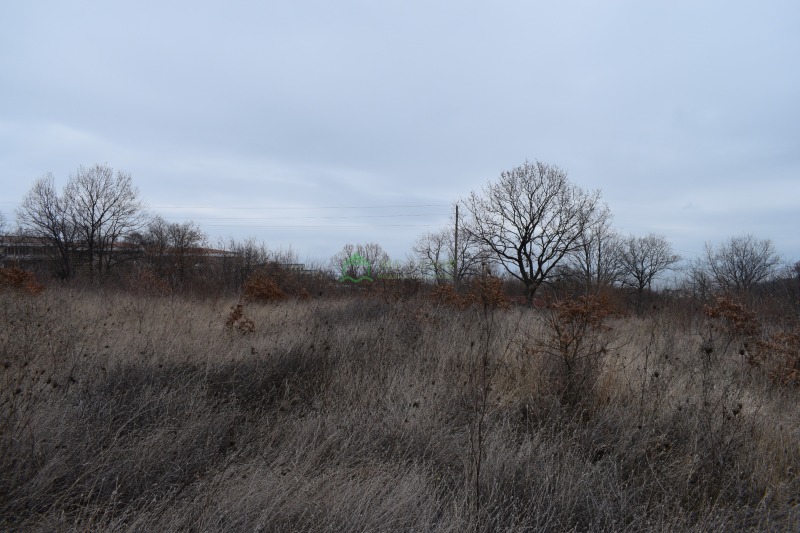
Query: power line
[
  {"x": 284, "y": 208},
  {"x": 279, "y": 207},
  {"x": 321, "y": 226},
  {"x": 294, "y": 208},
  {"x": 327, "y": 217}
]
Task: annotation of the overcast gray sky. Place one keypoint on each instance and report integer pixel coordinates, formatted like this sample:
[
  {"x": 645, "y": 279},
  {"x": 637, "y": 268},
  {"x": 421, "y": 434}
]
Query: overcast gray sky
[{"x": 686, "y": 114}]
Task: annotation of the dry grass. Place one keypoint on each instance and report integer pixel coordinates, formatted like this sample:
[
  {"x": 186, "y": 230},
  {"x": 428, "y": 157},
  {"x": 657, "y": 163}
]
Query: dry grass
[{"x": 129, "y": 412}]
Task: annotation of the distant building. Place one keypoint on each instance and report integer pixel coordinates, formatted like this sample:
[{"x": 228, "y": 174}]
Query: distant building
[
  {"x": 19, "y": 250},
  {"x": 30, "y": 251}
]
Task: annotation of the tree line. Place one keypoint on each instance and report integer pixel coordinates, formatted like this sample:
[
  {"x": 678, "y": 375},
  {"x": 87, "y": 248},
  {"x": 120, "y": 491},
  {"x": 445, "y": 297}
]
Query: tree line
[
  {"x": 531, "y": 224},
  {"x": 537, "y": 227}
]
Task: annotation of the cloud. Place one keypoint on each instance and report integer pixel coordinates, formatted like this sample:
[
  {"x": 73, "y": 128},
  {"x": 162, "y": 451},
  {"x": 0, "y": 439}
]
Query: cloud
[{"x": 399, "y": 103}]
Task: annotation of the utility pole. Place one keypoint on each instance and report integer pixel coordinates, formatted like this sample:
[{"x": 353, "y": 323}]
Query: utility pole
[{"x": 455, "y": 254}]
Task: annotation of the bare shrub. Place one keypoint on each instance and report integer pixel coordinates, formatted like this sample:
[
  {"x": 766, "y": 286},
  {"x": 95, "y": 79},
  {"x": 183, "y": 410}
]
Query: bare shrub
[{"x": 577, "y": 338}]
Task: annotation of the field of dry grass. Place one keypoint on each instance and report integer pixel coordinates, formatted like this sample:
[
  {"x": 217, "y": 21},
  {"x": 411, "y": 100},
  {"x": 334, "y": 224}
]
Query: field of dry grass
[{"x": 135, "y": 413}]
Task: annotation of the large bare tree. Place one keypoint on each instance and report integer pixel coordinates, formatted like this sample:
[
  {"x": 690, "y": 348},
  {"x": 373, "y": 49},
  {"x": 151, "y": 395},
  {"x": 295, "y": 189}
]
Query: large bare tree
[
  {"x": 105, "y": 207},
  {"x": 642, "y": 260},
  {"x": 94, "y": 211},
  {"x": 741, "y": 262},
  {"x": 530, "y": 219},
  {"x": 47, "y": 215}
]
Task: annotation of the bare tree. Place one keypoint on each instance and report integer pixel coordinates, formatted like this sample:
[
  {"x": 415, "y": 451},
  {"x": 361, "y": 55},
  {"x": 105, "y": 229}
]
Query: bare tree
[
  {"x": 431, "y": 251},
  {"x": 241, "y": 258},
  {"x": 741, "y": 263},
  {"x": 172, "y": 249},
  {"x": 356, "y": 261},
  {"x": 595, "y": 261},
  {"x": 436, "y": 255},
  {"x": 530, "y": 219},
  {"x": 2, "y": 232},
  {"x": 2, "y": 237},
  {"x": 104, "y": 207},
  {"x": 154, "y": 241},
  {"x": 698, "y": 279},
  {"x": 46, "y": 214},
  {"x": 643, "y": 259},
  {"x": 186, "y": 242}
]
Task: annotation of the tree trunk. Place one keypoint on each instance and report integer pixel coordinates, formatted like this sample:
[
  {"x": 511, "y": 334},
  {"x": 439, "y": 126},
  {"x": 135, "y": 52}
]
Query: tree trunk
[{"x": 530, "y": 290}]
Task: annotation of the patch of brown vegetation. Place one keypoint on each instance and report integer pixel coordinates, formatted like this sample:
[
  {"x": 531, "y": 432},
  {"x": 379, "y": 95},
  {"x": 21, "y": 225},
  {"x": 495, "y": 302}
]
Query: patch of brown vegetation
[
  {"x": 145, "y": 281},
  {"x": 238, "y": 321},
  {"x": 777, "y": 350},
  {"x": 577, "y": 337},
  {"x": 18, "y": 279},
  {"x": 262, "y": 287},
  {"x": 485, "y": 291}
]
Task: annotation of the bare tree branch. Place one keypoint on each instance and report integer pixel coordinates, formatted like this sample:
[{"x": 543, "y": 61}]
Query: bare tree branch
[
  {"x": 595, "y": 262},
  {"x": 436, "y": 254},
  {"x": 45, "y": 214},
  {"x": 742, "y": 262},
  {"x": 104, "y": 208},
  {"x": 376, "y": 261},
  {"x": 643, "y": 259},
  {"x": 172, "y": 248}
]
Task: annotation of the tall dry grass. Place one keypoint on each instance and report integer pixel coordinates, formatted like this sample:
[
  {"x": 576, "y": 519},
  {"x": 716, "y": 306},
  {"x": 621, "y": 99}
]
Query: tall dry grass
[{"x": 128, "y": 412}]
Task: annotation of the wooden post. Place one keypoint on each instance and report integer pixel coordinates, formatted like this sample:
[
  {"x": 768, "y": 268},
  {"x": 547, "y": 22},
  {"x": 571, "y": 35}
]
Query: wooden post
[{"x": 455, "y": 254}]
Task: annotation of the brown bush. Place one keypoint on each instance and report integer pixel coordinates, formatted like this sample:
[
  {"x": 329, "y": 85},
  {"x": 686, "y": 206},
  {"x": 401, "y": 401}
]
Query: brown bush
[
  {"x": 18, "y": 279},
  {"x": 274, "y": 282},
  {"x": 734, "y": 318},
  {"x": 577, "y": 339},
  {"x": 778, "y": 351},
  {"x": 145, "y": 281},
  {"x": 784, "y": 347},
  {"x": 239, "y": 321},
  {"x": 392, "y": 289},
  {"x": 261, "y": 287},
  {"x": 446, "y": 295},
  {"x": 486, "y": 291}
]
